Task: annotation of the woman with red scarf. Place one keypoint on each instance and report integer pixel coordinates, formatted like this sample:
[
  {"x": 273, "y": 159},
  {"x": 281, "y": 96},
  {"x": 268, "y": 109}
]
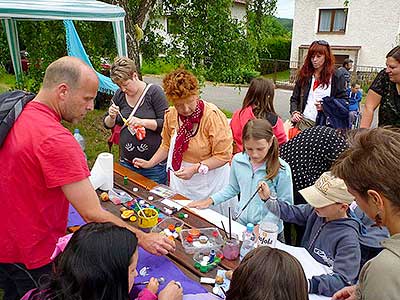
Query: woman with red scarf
[{"x": 196, "y": 139}]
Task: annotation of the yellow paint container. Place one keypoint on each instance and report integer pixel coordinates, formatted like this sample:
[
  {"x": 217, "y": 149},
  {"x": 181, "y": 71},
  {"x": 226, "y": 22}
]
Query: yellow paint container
[{"x": 150, "y": 220}]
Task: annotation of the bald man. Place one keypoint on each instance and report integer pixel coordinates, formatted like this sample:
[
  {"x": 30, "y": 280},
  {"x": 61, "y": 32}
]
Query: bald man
[{"x": 42, "y": 169}]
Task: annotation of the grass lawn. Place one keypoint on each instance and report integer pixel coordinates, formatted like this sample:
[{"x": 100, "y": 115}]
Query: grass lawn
[
  {"x": 280, "y": 76},
  {"x": 7, "y": 81}
]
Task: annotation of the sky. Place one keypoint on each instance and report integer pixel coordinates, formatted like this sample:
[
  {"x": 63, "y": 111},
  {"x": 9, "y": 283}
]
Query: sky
[{"x": 285, "y": 9}]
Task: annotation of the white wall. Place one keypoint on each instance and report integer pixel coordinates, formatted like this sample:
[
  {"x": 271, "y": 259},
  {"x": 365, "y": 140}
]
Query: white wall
[
  {"x": 371, "y": 24},
  {"x": 238, "y": 11}
]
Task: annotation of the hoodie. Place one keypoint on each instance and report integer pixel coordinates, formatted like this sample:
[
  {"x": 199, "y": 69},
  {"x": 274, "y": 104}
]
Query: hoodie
[
  {"x": 379, "y": 278},
  {"x": 244, "y": 180},
  {"x": 334, "y": 244}
]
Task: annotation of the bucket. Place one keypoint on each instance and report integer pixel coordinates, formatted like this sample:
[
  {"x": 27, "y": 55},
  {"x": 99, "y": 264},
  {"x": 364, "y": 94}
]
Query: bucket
[{"x": 151, "y": 219}]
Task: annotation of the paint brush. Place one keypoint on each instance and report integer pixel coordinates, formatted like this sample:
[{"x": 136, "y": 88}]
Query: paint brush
[
  {"x": 247, "y": 204},
  {"x": 160, "y": 280},
  {"x": 223, "y": 227},
  {"x": 230, "y": 224},
  {"x": 122, "y": 117}
]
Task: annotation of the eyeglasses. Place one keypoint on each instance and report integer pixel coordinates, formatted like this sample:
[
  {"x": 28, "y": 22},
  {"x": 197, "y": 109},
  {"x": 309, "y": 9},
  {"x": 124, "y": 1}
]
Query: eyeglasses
[{"x": 320, "y": 42}]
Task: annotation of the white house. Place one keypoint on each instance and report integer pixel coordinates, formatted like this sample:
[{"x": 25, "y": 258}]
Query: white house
[
  {"x": 364, "y": 31},
  {"x": 238, "y": 12}
]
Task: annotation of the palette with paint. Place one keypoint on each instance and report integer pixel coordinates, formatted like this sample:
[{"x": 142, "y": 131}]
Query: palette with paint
[{"x": 201, "y": 239}]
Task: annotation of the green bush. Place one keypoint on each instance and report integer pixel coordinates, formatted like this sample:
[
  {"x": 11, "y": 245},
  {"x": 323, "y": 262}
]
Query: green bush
[{"x": 237, "y": 76}]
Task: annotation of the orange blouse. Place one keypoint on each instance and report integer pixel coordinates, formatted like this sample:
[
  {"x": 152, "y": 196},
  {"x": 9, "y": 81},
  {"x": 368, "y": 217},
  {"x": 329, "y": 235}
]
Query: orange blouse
[{"x": 213, "y": 136}]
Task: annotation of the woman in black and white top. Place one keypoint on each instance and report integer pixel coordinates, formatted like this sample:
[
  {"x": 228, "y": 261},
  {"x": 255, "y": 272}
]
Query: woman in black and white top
[
  {"x": 317, "y": 79},
  {"x": 139, "y": 108}
]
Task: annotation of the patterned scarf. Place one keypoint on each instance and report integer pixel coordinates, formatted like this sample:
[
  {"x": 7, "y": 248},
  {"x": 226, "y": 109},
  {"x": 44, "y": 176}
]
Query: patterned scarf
[{"x": 185, "y": 133}]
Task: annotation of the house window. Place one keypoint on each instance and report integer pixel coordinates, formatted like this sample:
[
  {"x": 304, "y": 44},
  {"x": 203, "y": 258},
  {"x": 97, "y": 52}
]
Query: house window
[
  {"x": 332, "y": 20},
  {"x": 173, "y": 25}
]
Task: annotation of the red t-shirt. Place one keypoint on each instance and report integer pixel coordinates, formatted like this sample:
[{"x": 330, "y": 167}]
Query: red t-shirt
[{"x": 38, "y": 157}]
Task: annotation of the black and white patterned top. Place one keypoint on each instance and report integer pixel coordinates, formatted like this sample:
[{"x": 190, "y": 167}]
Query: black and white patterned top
[
  {"x": 389, "y": 108},
  {"x": 312, "y": 153}
]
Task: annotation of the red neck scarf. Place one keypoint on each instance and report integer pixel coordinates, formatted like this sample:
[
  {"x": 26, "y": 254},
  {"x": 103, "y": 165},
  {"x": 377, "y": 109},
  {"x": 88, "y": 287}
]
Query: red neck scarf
[{"x": 185, "y": 133}]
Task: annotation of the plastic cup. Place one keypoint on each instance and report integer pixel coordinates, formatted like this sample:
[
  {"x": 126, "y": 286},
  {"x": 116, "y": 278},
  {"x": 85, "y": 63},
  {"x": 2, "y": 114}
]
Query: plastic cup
[{"x": 231, "y": 248}]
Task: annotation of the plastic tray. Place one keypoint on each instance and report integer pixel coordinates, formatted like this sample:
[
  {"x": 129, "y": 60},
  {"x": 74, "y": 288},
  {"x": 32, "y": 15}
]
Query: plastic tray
[
  {"x": 214, "y": 242},
  {"x": 167, "y": 222}
]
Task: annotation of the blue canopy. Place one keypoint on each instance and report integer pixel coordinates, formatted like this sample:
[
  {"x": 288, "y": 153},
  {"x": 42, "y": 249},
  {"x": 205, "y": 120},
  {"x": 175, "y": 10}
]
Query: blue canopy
[{"x": 87, "y": 10}]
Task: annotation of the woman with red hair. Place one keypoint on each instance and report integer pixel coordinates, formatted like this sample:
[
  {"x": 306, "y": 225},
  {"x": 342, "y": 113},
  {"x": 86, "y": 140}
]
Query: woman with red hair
[{"x": 316, "y": 79}]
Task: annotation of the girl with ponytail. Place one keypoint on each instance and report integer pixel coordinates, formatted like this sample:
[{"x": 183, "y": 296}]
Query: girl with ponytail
[{"x": 258, "y": 162}]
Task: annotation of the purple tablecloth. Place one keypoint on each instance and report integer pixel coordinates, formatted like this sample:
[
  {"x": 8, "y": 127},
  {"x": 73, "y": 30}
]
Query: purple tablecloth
[
  {"x": 74, "y": 218},
  {"x": 161, "y": 266}
]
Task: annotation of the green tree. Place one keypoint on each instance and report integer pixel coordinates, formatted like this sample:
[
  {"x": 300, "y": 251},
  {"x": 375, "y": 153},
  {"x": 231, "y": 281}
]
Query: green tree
[{"x": 213, "y": 42}]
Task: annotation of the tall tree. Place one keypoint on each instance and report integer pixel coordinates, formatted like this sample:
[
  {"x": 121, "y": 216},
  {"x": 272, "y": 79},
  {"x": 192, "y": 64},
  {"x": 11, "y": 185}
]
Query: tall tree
[{"x": 137, "y": 16}]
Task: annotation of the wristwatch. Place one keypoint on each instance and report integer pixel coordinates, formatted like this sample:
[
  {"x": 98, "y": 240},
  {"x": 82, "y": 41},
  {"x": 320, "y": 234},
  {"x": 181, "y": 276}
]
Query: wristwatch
[{"x": 203, "y": 169}]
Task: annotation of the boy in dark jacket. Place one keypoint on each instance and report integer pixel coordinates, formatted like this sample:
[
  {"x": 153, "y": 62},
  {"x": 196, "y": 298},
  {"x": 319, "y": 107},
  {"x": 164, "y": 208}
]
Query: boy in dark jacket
[{"x": 331, "y": 236}]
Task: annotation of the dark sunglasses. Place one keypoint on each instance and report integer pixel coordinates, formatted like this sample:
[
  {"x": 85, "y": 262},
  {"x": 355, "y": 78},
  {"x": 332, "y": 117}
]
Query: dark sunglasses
[{"x": 320, "y": 42}]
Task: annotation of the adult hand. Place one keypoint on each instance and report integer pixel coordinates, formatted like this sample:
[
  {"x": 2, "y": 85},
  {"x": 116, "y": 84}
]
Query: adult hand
[
  {"x": 113, "y": 111},
  {"x": 141, "y": 163},
  {"x": 172, "y": 291},
  {"x": 296, "y": 117},
  {"x": 133, "y": 121},
  {"x": 347, "y": 293},
  {"x": 156, "y": 243},
  {"x": 318, "y": 105},
  {"x": 264, "y": 191},
  {"x": 201, "y": 203},
  {"x": 186, "y": 172}
]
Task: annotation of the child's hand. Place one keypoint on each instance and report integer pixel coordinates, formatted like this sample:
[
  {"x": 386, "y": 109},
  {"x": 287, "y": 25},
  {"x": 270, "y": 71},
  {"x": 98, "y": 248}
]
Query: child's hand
[
  {"x": 173, "y": 291},
  {"x": 201, "y": 203},
  {"x": 153, "y": 285},
  {"x": 264, "y": 191},
  {"x": 347, "y": 293}
]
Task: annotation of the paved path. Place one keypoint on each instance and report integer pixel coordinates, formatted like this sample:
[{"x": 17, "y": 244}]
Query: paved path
[{"x": 230, "y": 97}]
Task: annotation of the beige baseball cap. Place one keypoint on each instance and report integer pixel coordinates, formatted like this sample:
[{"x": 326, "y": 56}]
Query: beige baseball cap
[{"x": 327, "y": 190}]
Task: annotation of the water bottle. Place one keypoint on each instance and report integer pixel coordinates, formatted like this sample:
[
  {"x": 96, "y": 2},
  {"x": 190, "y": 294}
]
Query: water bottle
[
  {"x": 249, "y": 240},
  {"x": 269, "y": 226},
  {"x": 79, "y": 139}
]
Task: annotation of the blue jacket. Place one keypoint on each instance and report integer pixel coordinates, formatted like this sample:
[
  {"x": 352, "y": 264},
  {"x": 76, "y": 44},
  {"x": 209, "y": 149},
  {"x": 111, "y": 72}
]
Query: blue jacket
[
  {"x": 335, "y": 113},
  {"x": 334, "y": 243},
  {"x": 354, "y": 100},
  {"x": 243, "y": 180}
]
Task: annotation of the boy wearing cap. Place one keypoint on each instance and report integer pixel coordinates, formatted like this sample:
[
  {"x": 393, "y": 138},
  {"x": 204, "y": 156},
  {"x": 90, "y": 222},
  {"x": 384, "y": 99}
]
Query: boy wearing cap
[{"x": 331, "y": 235}]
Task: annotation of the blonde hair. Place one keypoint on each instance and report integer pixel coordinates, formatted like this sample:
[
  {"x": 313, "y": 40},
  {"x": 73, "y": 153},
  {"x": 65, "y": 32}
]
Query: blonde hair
[
  {"x": 180, "y": 84},
  {"x": 122, "y": 69}
]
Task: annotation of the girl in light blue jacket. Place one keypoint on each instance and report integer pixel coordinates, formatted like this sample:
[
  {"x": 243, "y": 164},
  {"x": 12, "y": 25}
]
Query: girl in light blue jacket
[{"x": 259, "y": 162}]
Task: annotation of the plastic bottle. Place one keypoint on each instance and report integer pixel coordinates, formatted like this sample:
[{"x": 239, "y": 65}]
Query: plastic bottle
[
  {"x": 269, "y": 226},
  {"x": 79, "y": 139},
  {"x": 249, "y": 240}
]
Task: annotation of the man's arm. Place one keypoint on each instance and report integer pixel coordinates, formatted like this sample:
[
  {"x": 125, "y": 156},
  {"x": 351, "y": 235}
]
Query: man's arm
[{"x": 83, "y": 197}]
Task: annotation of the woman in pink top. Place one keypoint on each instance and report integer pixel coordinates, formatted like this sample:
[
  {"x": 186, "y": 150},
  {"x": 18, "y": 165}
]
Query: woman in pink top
[
  {"x": 99, "y": 262},
  {"x": 258, "y": 103}
]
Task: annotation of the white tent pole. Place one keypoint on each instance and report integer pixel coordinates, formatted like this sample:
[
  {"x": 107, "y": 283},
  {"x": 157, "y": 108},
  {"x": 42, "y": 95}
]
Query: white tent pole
[
  {"x": 13, "y": 43},
  {"x": 120, "y": 37}
]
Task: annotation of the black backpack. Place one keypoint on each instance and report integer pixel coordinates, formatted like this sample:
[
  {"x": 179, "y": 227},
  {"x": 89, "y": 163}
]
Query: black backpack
[{"x": 11, "y": 106}]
